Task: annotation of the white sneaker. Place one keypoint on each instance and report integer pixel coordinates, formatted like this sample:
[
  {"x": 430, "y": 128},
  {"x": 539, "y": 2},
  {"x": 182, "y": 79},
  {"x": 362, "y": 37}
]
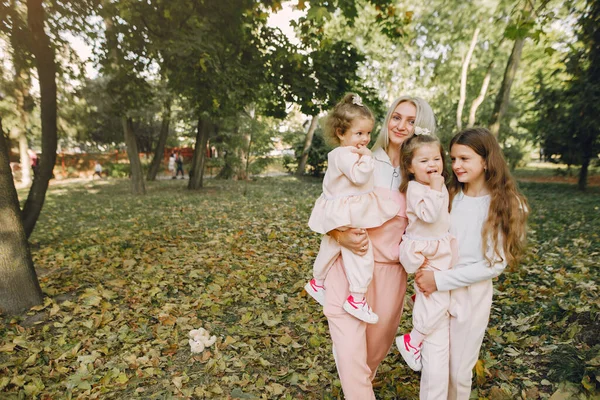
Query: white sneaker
[
  {"x": 360, "y": 310},
  {"x": 411, "y": 354},
  {"x": 316, "y": 292}
]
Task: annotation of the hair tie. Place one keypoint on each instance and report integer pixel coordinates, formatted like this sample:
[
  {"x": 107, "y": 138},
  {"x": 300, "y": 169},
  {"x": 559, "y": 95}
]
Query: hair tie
[
  {"x": 357, "y": 100},
  {"x": 421, "y": 131}
]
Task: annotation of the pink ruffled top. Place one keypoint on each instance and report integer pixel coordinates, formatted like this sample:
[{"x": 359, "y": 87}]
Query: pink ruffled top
[
  {"x": 427, "y": 233},
  {"x": 349, "y": 198}
]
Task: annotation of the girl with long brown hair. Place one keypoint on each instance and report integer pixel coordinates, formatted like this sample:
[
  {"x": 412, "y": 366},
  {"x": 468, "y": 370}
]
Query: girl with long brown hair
[{"x": 488, "y": 217}]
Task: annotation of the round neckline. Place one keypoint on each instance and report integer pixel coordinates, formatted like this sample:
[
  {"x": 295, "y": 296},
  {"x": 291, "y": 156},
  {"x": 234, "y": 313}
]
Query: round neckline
[{"x": 475, "y": 197}]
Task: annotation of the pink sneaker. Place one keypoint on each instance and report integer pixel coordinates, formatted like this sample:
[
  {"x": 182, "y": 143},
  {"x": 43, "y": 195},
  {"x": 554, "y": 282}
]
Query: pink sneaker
[
  {"x": 316, "y": 292},
  {"x": 411, "y": 354},
  {"x": 360, "y": 310}
]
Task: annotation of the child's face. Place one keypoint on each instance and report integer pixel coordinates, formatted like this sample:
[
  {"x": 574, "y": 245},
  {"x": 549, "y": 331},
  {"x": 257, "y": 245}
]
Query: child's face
[
  {"x": 468, "y": 166},
  {"x": 358, "y": 134},
  {"x": 426, "y": 161}
]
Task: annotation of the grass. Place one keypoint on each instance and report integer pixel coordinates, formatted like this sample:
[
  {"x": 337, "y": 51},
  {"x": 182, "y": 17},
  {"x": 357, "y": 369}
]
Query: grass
[{"x": 137, "y": 273}]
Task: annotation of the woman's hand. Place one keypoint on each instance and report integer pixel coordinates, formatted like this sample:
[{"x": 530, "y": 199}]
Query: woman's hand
[
  {"x": 354, "y": 239},
  {"x": 425, "y": 282}
]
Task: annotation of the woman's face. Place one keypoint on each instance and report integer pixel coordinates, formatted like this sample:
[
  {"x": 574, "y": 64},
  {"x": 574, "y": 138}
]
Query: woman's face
[{"x": 401, "y": 123}]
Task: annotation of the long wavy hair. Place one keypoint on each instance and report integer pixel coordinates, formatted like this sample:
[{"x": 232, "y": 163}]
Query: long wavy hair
[
  {"x": 407, "y": 153},
  {"x": 424, "y": 118},
  {"x": 506, "y": 224}
]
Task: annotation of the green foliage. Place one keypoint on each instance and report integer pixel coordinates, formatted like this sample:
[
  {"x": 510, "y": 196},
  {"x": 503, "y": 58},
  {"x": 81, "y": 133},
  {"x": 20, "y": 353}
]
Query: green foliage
[
  {"x": 572, "y": 364},
  {"x": 260, "y": 164},
  {"x": 317, "y": 155},
  {"x": 290, "y": 163},
  {"x": 117, "y": 170},
  {"x": 567, "y": 118}
]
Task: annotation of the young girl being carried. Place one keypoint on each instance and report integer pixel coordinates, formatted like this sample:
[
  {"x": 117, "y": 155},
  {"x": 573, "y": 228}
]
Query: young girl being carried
[
  {"x": 426, "y": 244},
  {"x": 348, "y": 201}
]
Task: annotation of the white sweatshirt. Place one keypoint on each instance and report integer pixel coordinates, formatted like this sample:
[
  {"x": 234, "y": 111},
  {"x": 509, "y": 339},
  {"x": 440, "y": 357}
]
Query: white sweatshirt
[{"x": 466, "y": 222}]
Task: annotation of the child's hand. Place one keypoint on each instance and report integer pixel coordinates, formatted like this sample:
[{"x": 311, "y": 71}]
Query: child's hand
[
  {"x": 362, "y": 150},
  {"x": 436, "y": 181}
]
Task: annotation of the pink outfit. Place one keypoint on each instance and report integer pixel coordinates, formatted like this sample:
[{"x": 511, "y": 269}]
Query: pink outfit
[
  {"x": 427, "y": 239},
  {"x": 451, "y": 351},
  {"x": 348, "y": 198},
  {"x": 348, "y": 201},
  {"x": 360, "y": 347}
]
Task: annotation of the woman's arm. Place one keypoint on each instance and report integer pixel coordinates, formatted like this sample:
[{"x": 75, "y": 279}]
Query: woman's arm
[{"x": 354, "y": 239}]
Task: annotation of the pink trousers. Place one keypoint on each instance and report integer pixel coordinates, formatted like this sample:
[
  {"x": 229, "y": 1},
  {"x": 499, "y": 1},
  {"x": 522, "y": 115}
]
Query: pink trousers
[
  {"x": 361, "y": 347},
  {"x": 451, "y": 351},
  {"x": 359, "y": 269}
]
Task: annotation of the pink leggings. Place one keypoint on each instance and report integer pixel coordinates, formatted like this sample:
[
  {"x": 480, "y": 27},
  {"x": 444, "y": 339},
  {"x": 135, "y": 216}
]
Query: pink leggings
[{"x": 360, "y": 347}]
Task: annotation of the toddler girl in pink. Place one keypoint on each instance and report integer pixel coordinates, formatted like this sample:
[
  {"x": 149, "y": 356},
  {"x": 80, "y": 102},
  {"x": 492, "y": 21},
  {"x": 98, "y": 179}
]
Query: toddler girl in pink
[
  {"x": 426, "y": 243},
  {"x": 348, "y": 201}
]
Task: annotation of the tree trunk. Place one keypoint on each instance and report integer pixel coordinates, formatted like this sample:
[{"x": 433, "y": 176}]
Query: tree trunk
[
  {"x": 463, "y": 79},
  {"x": 162, "y": 140},
  {"x": 307, "y": 142},
  {"x": 46, "y": 67},
  {"x": 248, "y": 140},
  {"x": 587, "y": 153},
  {"x": 22, "y": 84},
  {"x": 19, "y": 287},
  {"x": 137, "y": 177},
  {"x": 583, "y": 174},
  {"x": 25, "y": 160},
  {"x": 199, "y": 158},
  {"x": 503, "y": 97},
  {"x": 479, "y": 99}
]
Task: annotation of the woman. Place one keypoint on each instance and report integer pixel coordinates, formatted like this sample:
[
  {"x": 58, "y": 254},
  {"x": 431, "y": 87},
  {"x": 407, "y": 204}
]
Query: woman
[{"x": 359, "y": 348}]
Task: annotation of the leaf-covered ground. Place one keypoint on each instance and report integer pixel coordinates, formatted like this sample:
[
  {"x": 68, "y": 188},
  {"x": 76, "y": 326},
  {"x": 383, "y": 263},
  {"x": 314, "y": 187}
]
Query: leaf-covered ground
[{"x": 127, "y": 277}]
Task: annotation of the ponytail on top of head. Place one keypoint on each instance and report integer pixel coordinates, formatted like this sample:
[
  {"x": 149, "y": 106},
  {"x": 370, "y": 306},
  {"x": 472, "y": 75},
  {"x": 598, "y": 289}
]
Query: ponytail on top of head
[{"x": 341, "y": 116}]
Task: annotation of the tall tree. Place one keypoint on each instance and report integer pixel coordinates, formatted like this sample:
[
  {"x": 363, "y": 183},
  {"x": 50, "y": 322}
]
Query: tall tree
[
  {"x": 46, "y": 69},
  {"x": 568, "y": 119},
  {"x": 331, "y": 67},
  {"x": 519, "y": 32},
  {"x": 124, "y": 84},
  {"x": 463, "y": 78},
  {"x": 19, "y": 287},
  {"x": 21, "y": 58},
  {"x": 159, "y": 150},
  {"x": 481, "y": 96}
]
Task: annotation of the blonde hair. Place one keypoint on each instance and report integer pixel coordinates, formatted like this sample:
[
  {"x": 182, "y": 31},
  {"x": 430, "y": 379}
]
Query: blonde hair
[
  {"x": 425, "y": 118},
  {"x": 341, "y": 116},
  {"x": 407, "y": 152},
  {"x": 507, "y": 217}
]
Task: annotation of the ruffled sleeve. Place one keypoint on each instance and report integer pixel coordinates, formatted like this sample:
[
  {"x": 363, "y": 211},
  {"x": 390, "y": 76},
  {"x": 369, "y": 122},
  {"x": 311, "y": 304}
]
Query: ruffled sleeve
[
  {"x": 425, "y": 202},
  {"x": 358, "y": 169}
]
